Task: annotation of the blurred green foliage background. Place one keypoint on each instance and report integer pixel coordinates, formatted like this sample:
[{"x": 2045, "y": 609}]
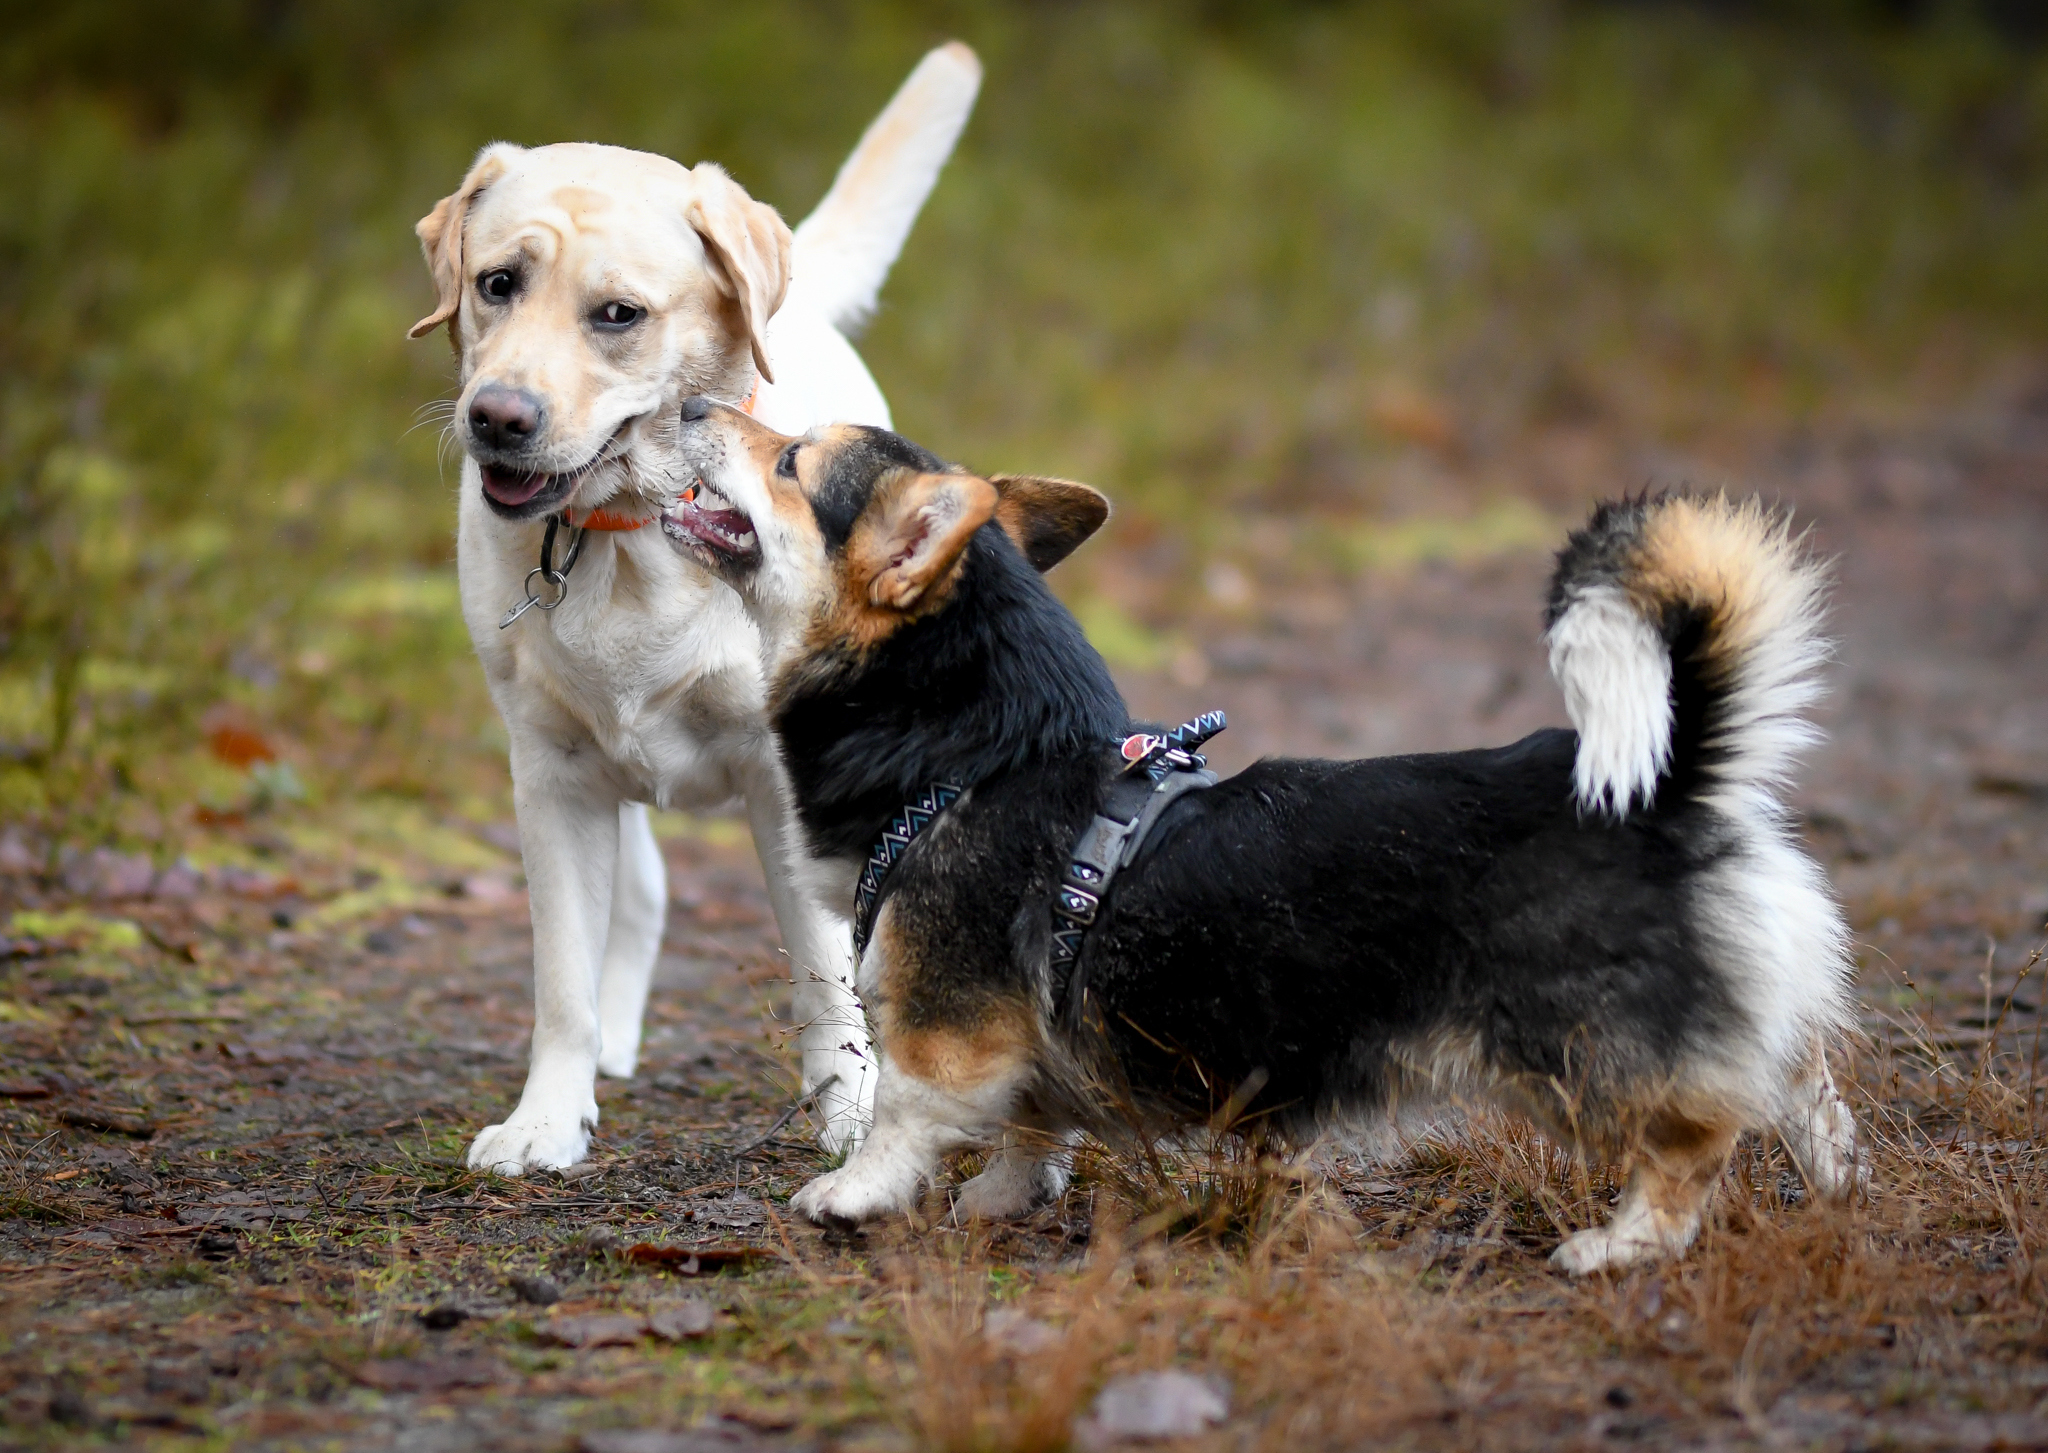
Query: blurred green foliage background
[{"x": 1217, "y": 258}]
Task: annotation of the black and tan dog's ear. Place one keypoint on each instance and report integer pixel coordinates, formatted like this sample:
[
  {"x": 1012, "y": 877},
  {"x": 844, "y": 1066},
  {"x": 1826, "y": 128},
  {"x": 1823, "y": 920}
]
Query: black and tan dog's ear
[
  {"x": 748, "y": 245},
  {"x": 911, "y": 536},
  {"x": 440, "y": 234},
  {"x": 1047, "y": 517}
]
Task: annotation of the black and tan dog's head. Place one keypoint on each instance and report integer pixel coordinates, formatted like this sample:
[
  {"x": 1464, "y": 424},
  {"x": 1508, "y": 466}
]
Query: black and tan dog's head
[{"x": 843, "y": 535}]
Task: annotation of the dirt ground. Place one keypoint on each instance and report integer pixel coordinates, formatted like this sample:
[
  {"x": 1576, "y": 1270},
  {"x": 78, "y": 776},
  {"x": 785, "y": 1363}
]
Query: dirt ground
[{"x": 234, "y": 1110}]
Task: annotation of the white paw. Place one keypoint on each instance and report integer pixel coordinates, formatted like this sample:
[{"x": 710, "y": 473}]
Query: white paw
[
  {"x": 1615, "y": 1245},
  {"x": 1013, "y": 1185},
  {"x": 538, "y": 1143},
  {"x": 861, "y": 1190},
  {"x": 619, "y": 1063}
]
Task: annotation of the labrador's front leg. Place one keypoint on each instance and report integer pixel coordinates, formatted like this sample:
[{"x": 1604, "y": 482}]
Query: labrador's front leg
[
  {"x": 639, "y": 915},
  {"x": 569, "y": 833},
  {"x": 833, "y": 1038}
]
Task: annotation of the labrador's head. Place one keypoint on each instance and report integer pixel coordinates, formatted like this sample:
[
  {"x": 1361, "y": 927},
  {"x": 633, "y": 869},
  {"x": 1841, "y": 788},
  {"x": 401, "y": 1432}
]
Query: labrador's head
[{"x": 587, "y": 290}]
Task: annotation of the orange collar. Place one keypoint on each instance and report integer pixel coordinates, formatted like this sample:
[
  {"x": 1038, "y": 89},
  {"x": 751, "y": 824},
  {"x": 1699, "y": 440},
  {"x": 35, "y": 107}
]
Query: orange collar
[{"x": 606, "y": 521}]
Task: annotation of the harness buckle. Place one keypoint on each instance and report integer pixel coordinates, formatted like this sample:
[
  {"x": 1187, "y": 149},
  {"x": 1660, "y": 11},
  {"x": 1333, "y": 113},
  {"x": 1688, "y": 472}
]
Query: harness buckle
[{"x": 1078, "y": 904}]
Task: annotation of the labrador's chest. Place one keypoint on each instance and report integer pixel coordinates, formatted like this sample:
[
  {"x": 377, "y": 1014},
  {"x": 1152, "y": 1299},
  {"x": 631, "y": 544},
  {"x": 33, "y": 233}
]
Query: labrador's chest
[{"x": 646, "y": 657}]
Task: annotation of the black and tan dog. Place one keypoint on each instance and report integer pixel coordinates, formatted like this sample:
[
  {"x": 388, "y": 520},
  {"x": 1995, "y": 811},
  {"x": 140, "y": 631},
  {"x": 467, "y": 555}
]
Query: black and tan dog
[{"x": 1611, "y": 931}]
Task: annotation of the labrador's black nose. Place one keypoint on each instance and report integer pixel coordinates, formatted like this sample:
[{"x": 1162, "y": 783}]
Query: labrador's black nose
[
  {"x": 696, "y": 408},
  {"x": 504, "y": 418}
]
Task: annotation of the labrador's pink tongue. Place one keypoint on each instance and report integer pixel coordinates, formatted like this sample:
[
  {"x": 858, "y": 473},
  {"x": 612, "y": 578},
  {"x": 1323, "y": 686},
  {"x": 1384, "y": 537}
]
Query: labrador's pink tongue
[{"x": 508, "y": 488}]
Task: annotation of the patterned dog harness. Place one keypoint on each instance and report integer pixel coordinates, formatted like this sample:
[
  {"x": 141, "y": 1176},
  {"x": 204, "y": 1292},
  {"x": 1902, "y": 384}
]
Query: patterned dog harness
[
  {"x": 1155, "y": 770},
  {"x": 895, "y": 840}
]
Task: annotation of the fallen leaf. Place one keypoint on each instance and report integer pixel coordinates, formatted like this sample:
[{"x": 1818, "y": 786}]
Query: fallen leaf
[
  {"x": 689, "y": 1260},
  {"x": 1148, "y": 1406},
  {"x": 679, "y": 1320},
  {"x": 1409, "y": 414},
  {"x": 488, "y": 888},
  {"x": 239, "y": 746},
  {"x": 1009, "y": 1330},
  {"x": 91, "y": 1118},
  {"x": 679, "y": 1259},
  {"x": 21, "y": 1090},
  {"x": 104, "y": 873},
  {"x": 712, "y": 1439},
  {"x": 535, "y": 1289},
  {"x": 598, "y": 1329},
  {"x": 767, "y": 1420}
]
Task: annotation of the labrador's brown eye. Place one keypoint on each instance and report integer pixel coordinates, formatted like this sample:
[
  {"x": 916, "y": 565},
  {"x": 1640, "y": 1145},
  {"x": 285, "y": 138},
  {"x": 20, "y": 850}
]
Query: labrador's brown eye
[
  {"x": 498, "y": 284},
  {"x": 786, "y": 465},
  {"x": 619, "y": 315}
]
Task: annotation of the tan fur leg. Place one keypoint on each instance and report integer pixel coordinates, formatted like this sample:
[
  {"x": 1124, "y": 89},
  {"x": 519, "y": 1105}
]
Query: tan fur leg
[
  {"x": 938, "y": 1091},
  {"x": 1678, "y": 1166}
]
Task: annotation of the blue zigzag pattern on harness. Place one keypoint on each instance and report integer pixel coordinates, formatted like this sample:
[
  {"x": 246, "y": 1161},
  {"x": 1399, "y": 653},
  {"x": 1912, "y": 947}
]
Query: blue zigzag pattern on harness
[
  {"x": 894, "y": 841},
  {"x": 1185, "y": 738}
]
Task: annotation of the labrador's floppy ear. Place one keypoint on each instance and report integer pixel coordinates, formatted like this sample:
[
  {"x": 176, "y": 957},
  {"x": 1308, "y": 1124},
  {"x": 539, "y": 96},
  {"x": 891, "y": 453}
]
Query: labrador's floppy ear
[
  {"x": 440, "y": 233},
  {"x": 913, "y": 533},
  {"x": 1047, "y": 517},
  {"x": 748, "y": 245}
]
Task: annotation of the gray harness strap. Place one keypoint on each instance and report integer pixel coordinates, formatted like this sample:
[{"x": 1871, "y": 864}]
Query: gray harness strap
[{"x": 1160, "y": 771}]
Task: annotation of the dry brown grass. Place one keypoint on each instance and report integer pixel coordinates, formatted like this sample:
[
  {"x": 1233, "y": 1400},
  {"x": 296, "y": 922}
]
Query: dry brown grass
[
  {"x": 1403, "y": 1302},
  {"x": 1411, "y": 1304}
]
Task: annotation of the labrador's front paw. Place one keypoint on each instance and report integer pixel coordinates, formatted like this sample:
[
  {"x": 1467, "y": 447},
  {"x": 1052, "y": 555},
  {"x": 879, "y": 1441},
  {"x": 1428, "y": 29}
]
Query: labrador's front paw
[
  {"x": 537, "y": 1142},
  {"x": 866, "y": 1188}
]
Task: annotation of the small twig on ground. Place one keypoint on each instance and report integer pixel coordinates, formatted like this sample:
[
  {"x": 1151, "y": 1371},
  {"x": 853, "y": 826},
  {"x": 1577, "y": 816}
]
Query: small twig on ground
[
  {"x": 784, "y": 1118},
  {"x": 789, "y": 1247}
]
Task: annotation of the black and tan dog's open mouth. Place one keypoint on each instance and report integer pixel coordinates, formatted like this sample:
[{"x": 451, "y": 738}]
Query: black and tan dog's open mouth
[{"x": 703, "y": 519}]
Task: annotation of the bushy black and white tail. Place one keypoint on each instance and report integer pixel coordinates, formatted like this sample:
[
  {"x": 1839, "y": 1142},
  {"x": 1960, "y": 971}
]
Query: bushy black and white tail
[
  {"x": 845, "y": 248},
  {"x": 1686, "y": 633}
]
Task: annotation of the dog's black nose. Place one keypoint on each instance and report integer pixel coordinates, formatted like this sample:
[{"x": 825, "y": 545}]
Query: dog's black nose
[
  {"x": 696, "y": 408},
  {"x": 504, "y": 418}
]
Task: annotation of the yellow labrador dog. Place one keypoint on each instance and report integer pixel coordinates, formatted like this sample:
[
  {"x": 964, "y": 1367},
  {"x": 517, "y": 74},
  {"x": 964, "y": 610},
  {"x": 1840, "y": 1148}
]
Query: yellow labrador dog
[{"x": 588, "y": 290}]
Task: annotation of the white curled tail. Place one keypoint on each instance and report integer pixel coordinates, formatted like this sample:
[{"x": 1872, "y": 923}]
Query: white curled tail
[
  {"x": 845, "y": 248},
  {"x": 1686, "y": 635}
]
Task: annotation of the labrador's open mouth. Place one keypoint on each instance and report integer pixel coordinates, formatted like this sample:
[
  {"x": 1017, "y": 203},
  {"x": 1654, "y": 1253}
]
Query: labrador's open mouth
[
  {"x": 511, "y": 488},
  {"x": 704, "y": 520},
  {"x": 524, "y": 493}
]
